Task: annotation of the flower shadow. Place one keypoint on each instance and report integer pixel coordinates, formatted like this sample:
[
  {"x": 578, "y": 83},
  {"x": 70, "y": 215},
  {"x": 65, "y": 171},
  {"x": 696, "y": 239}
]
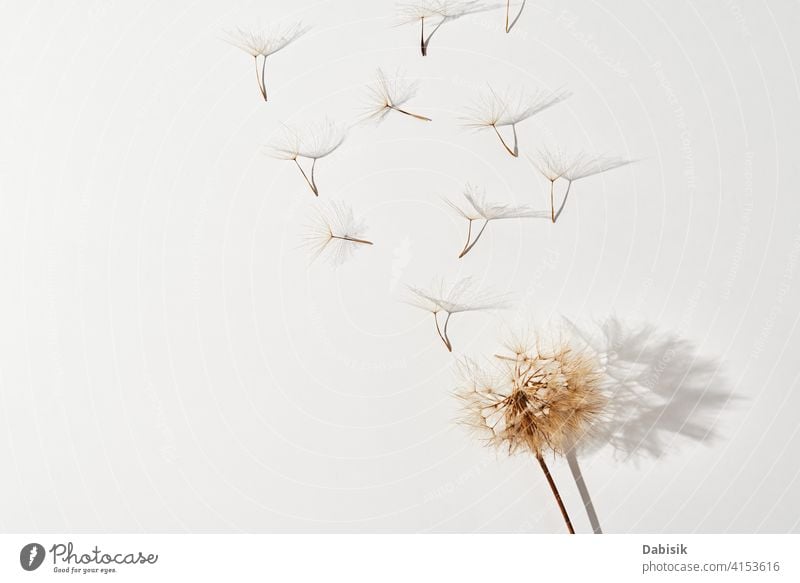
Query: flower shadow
[{"x": 661, "y": 391}]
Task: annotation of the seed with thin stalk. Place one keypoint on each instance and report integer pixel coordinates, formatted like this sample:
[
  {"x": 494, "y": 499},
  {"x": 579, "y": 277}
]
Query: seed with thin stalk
[
  {"x": 263, "y": 44},
  {"x": 336, "y": 233},
  {"x": 389, "y": 94},
  {"x": 478, "y": 210},
  {"x": 554, "y": 165},
  {"x": 311, "y": 142},
  {"x": 538, "y": 399},
  {"x": 449, "y": 300},
  {"x": 435, "y": 13},
  {"x": 494, "y": 111}
]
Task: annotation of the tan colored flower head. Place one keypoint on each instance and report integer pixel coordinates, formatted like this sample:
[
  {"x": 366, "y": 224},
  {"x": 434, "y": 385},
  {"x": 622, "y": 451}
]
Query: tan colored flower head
[{"x": 535, "y": 399}]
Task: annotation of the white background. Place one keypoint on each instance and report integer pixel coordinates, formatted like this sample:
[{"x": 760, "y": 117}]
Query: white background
[{"x": 171, "y": 362}]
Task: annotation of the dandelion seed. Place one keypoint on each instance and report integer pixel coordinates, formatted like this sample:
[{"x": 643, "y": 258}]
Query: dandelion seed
[
  {"x": 312, "y": 142},
  {"x": 389, "y": 94},
  {"x": 438, "y": 12},
  {"x": 336, "y": 233},
  {"x": 494, "y": 111},
  {"x": 477, "y": 209},
  {"x": 263, "y": 44},
  {"x": 449, "y": 300},
  {"x": 555, "y": 165},
  {"x": 540, "y": 399}
]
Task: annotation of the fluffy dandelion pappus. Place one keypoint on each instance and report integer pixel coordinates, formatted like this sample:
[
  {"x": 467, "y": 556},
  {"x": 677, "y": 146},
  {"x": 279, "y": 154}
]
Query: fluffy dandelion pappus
[
  {"x": 263, "y": 44},
  {"x": 312, "y": 142},
  {"x": 493, "y": 111},
  {"x": 479, "y": 210},
  {"x": 336, "y": 233},
  {"x": 438, "y": 11},
  {"x": 389, "y": 94},
  {"x": 453, "y": 299},
  {"x": 555, "y": 165},
  {"x": 535, "y": 399}
]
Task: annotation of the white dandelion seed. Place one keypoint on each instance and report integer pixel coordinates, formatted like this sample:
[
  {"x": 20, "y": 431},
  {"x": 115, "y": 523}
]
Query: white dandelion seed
[
  {"x": 494, "y": 110},
  {"x": 336, "y": 233},
  {"x": 389, "y": 94},
  {"x": 460, "y": 297},
  {"x": 264, "y": 43},
  {"x": 436, "y": 13},
  {"x": 555, "y": 165},
  {"x": 477, "y": 209},
  {"x": 312, "y": 142}
]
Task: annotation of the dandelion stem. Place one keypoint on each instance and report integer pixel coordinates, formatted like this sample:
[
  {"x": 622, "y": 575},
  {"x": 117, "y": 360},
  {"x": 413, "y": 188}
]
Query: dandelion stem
[
  {"x": 443, "y": 336},
  {"x": 563, "y": 202},
  {"x": 515, "y": 151},
  {"x": 310, "y": 182},
  {"x": 353, "y": 239},
  {"x": 575, "y": 468},
  {"x": 553, "y": 487},
  {"x": 478, "y": 236},
  {"x": 263, "y": 78},
  {"x": 446, "y": 322},
  {"x": 469, "y": 237},
  {"x": 511, "y": 25},
  {"x": 552, "y": 204},
  {"x": 428, "y": 40},
  {"x": 314, "y": 182},
  {"x": 259, "y": 78},
  {"x": 423, "y": 46},
  {"x": 422, "y": 117}
]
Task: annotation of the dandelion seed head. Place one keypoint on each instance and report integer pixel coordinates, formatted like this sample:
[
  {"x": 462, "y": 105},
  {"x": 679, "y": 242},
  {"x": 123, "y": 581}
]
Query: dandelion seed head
[{"x": 537, "y": 399}]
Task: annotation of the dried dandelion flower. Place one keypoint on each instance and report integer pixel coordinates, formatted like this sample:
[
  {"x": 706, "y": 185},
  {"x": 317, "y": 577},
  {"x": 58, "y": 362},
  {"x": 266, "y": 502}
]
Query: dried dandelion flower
[
  {"x": 493, "y": 110},
  {"x": 477, "y": 209},
  {"x": 336, "y": 233},
  {"x": 388, "y": 94},
  {"x": 449, "y": 300},
  {"x": 313, "y": 142},
  {"x": 438, "y": 11},
  {"x": 536, "y": 399},
  {"x": 555, "y": 165},
  {"x": 263, "y": 44}
]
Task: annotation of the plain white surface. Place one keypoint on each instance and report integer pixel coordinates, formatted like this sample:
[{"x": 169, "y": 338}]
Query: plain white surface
[{"x": 170, "y": 361}]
